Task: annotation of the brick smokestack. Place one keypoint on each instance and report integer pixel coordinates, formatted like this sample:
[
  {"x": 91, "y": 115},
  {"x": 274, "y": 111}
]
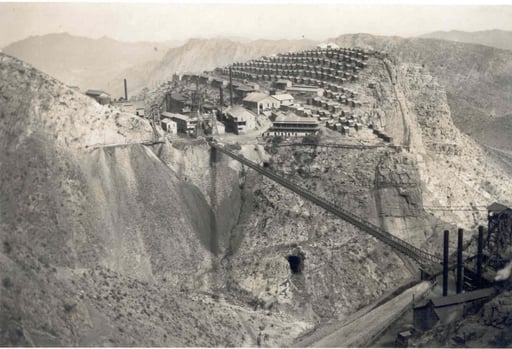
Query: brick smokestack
[{"x": 125, "y": 90}]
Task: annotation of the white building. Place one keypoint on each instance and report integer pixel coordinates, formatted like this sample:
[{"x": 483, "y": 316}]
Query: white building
[
  {"x": 169, "y": 126},
  {"x": 184, "y": 123},
  {"x": 239, "y": 120},
  {"x": 291, "y": 125},
  {"x": 284, "y": 98},
  {"x": 258, "y": 102}
]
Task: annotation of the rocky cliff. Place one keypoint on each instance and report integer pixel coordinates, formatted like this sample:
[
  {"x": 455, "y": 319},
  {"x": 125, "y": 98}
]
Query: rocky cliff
[{"x": 477, "y": 80}]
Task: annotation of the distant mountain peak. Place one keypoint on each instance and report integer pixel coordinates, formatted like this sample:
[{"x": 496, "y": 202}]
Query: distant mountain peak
[{"x": 497, "y": 38}]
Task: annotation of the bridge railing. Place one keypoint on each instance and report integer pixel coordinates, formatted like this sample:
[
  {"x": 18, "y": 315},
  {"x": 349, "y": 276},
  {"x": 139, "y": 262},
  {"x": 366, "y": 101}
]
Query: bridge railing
[{"x": 422, "y": 257}]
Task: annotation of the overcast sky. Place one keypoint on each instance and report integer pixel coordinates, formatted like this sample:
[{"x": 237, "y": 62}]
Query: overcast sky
[{"x": 172, "y": 21}]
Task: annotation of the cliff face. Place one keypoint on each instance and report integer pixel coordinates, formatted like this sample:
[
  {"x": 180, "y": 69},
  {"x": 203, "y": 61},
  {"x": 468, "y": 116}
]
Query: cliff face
[{"x": 477, "y": 80}]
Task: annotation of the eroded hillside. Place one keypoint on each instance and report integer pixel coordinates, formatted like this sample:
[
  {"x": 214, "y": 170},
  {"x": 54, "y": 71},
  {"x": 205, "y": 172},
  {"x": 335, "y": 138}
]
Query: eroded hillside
[
  {"x": 104, "y": 246},
  {"x": 107, "y": 241}
]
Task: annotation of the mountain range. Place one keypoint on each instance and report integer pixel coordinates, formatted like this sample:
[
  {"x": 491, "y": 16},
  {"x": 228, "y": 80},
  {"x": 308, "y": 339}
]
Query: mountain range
[
  {"x": 494, "y": 38},
  {"x": 88, "y": 63},
  {"x": 477, "y": 77},
  {"x": 104, "y": 63}
]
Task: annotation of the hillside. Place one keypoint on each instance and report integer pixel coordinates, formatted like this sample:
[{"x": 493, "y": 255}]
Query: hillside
[
  {"x": 477, "y": 79},
  {"x": 198, "y": 55},
  {"x": 169, "y": 245},
  {"x": 501, "y": 39},
  {"x": 87, "y": 63},
  {"x": 96, "y": 252}
]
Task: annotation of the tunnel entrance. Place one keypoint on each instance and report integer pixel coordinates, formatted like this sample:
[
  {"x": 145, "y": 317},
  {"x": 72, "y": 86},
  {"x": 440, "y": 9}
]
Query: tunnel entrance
[{"x": 296, "y": 263}]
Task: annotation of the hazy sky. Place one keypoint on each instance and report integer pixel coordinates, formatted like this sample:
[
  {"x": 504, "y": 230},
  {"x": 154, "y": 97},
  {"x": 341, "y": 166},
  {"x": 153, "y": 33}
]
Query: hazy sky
[{"x": 172, "y": 21}]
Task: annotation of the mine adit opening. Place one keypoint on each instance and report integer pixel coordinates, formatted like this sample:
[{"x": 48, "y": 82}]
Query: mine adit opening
[{"x": 296, "y": 263}]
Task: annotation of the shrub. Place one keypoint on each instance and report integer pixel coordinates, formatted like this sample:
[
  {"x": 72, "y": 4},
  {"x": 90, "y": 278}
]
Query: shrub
[
  {"x": 277, "y": 140},
  {"x": 311, "y": 139},
  {"x": 7, "y": 282}
]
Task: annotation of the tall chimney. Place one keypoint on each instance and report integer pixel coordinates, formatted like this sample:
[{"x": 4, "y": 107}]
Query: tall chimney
[
  {"x": 221, "y": 95},
  {"x": 445, "y": 263},
  {"x": 125, "y": 90},
  {"x": 479, "y": 256},
  {"x": 230, "y": 87},
  {"x": 460, "y": 267}
]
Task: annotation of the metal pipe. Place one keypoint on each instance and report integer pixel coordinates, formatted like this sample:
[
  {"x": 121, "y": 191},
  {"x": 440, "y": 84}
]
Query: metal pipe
[
  {"x": 445, "y": 262},
  {"x": 125, "y": 90},
  {"x": 479, "y": 257},
  {"x": 459, "y": 261}
]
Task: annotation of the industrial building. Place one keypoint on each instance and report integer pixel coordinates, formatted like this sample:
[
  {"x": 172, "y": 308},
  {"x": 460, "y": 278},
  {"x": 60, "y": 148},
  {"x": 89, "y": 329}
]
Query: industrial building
[
  {"x": 282, "y": 84},
  {"x": 184, "y": 123},
  {"x": 284, "y": 98},
  {"x": 447, "y": 309},
  {"x": 259, "y": 102},
  {"x": 177, "y": 102},
  {"x": 304, "y": 91},
  {"x": 168, "y": 124},
  {"x": 239, "y": 120},
  {"x": 292, "y": 125}
]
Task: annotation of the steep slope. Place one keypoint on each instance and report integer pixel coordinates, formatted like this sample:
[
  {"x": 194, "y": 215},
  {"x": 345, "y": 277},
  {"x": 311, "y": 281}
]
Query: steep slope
[
  {"x": 87, "y": 63},
  {"x": 495, "y": 38},
  {"x": 198, "y": 55},
  {"x": 104, "y": 246},
  {"x": 477, "y": 79}
]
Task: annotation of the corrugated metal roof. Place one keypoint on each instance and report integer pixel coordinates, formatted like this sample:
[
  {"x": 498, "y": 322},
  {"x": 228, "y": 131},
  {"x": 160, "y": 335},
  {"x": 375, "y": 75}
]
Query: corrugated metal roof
[
  {"x": 283, "y": 96},
  {"x": 178, "y": 116},
  {"x": 240, "y": 113},
  {"x": 256, "y": 97},
  {"x": 463, "y": 297},
  {"x": 497, "y": 207},
  {"x": 293, "y": 118}
]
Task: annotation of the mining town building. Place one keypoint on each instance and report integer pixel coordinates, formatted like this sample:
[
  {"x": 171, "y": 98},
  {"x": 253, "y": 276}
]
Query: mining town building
[
  {"x": 177, "y": 102},
  {"x": 239, "y": 120},
  {"x": 305, "y": 91},
  {"x": 139, "y": 111},
  {"x": 284, "y": 98},
  {"x": 168, "y": 124},
  {"x": 291, "y": 125},
  {"x": 450, "y": 308},
  {"x": 258, "y": 102},
  {"x": 184, "y": 123},
  {"x": 282, "y": 84}
]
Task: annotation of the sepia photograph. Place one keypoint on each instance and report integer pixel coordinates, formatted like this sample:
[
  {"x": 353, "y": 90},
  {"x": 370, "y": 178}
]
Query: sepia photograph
[{"x": 332, "y": 174}]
